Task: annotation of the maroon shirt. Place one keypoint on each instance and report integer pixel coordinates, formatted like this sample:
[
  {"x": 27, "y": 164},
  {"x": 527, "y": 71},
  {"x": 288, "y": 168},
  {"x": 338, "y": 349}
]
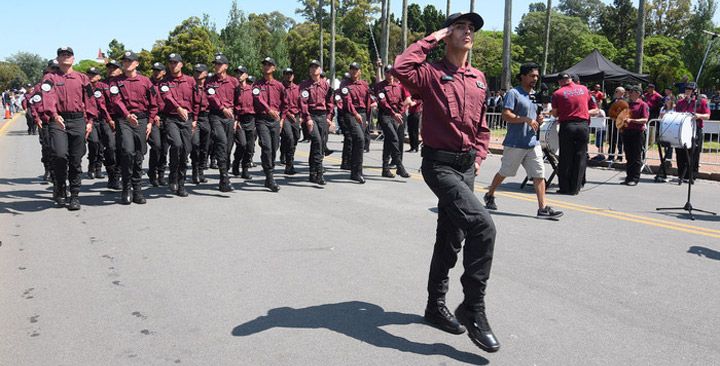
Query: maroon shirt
[
  {"x": 391, "y": 97},
  {"x": 654, "y": 101},
  {"x": 99, "y": 96},
  {"x": 638, "y": 109},
  {"x": 454, "y": 114},
  {"x": 179, "y": 92},
  {"x": 202, "y": 97},
  {"x": 269, "y": 96},
  {"x": 244, "y": 101},
  {"x": 337, "y": 99},
  {"x": 356, "y": 94},
  {"x": 417, "y": 108},
  {"x": 573, "y": 102},
  {"x": 158, "y": 98},
  {"x": 293, "y": 95},
  {"x": 689, "y": 106},
  {"x": 315, "y": 96},
  {"x": 26, "y": 101},
  {"x": 67, "y": 93},
  {"x": 133, "y": 95},
  {"x": 221, "y": 92}
]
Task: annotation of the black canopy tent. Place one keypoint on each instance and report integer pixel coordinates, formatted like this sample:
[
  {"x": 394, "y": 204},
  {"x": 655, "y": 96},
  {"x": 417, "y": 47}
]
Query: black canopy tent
[{"x": 596, "y": 67}]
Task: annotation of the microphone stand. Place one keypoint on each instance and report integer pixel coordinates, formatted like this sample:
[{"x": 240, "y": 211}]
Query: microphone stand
[{"x": 690, "y": 168}]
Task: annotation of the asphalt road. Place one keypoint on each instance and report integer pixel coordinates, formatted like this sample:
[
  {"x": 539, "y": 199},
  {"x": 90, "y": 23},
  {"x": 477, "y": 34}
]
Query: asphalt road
[{"x": 336, "y": 275}]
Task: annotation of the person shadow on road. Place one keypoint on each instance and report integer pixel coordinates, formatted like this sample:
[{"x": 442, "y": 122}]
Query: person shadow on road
[{"x": 356, "y": 319}]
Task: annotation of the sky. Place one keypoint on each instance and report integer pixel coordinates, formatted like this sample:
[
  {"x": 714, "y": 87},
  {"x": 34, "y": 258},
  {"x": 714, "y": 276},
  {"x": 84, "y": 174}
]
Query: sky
[{"x": 41, "y": 29}]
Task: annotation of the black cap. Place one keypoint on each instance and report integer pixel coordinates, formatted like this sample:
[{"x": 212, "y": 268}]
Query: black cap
[
  {"x": 636, "y": 88},
  {"x": 669, "y": 88},
  {"x": 158, "y": 66},
  {"x": 269, "y": 60},
  {"x": 288, "y": 71},
  {"x": 346, "y": 75},
  {"x": 651, "y": 86},
  {"x": 323, "y": 74},
  {"x": 563, "y": 76},
  {"x": 575, "y": 77},
  {"x": 200, "y": 68},
  {"x": 251, "y": 79},
  {"x": 387, "y": 68},
  {"x": 691, "y": 85},
  {"x": 314, "y": 62},
  {"x": 475, "y": 18},
  {"x": 114, "y": 63},
  {"x": 175, "y": 57},
  {"x": 29, "y": 85},
  {"x": 53, "y": 63},
  {"x": 130, "y": 55},
  {"x": 65, "y": 49},
  {"x": 94, "y": 71},
  {"x": 220, "y": 59},
  {"x": 241, "y": 69},
  {"x": 355, "y": 65}
]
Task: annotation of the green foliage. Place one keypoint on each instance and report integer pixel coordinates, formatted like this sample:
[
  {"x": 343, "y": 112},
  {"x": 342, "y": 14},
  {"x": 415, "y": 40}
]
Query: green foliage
[
  {"x": 567, "y": 36},
  {"x": 191, "y": 40},
  {"x": 84, "y": 65},
  {"x": 537, "y": 7},
  {"x": 663, "y": 60},
  {"x": 11, "y": 77},
  {"x": 668, "y": 18},
  {"x": 618, "y": 22},
  {"x": 115, "y": 50},
  {"x": 587, "y": 10},
  {"x": 696, "y": 43},
  {"x": 238, "y": 44},
  {"x": 32, "y": 65},
  {"x": 487, "y": 53}
]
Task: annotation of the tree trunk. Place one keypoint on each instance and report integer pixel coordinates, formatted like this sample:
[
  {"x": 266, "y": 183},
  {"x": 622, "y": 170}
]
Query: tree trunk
[
  {"x": 547, "y": 38},
  {"x": 640, "y": 40},
  {"x": 472, "y": 9},
  {"x": 383, "y": 24},
  {"x": 332, "y": 42},
  {"x": 320, "y": 6},
  {"x": 386, "y": 40},
  {"x": 404, "y": 24},
  {"x": 447, "y": 11},
  {"x": 507, "y": 32}
]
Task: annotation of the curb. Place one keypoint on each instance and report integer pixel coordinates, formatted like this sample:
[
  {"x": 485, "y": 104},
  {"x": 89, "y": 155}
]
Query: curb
[{"x": 9, "y": 122}]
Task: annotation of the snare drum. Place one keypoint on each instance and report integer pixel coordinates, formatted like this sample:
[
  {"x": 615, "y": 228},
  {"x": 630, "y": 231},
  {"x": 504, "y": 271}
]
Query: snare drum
[
  {"x": 676, "y": 129},
  {"x": 549, "y": 136}
]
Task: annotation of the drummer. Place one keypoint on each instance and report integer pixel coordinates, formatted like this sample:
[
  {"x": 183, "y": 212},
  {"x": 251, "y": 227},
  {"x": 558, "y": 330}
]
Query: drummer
[
  {"x": 633, "y": 135},
  {"x": 521, "y": 145},
  {"x": 700, "y": 112}
]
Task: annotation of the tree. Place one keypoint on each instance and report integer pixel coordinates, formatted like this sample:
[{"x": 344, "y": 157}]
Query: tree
[
  {"x": 84, "y": 65},
  {"x": 238, "y": 43},
  {"x": 11, "y": 77},
  {"x": 191, "y": 40},
  {"x": 696, "y": 43},
  {"x": 663, "y": 60},
  {"x": 668, "y": 18},
  {"x": 640, "y": 38},
  {"x": 115, "y": 50},
  {"x": 487, "y": 53},
  {"x": 32, "y": 65},
  {"x": 537, "y": 7},
  {"x": 353, "y": 16},
  {"x": 587, "y": 10},
  {"x": 415, "y": 21},
  {"x": 618, "y": 22},
  {"x": 506, "y": 77}
]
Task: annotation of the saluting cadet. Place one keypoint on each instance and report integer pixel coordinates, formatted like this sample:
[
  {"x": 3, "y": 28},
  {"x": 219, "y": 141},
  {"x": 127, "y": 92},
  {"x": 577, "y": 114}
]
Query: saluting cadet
[
  {"x": 290, "y": 133},
  {"x": 67, "y": 100},
  {"x": 158, "y": 139},
  {"x": 316, "y": 104},
  {"x": 356, "y": 105},
  {"x": 134, "y": 107},
  {"x": 392, "y": 98},
  {"x": 178, "y": 93},
  {"x": 456, "y": 139},
  {"x": 203, "y": 130},
  {"x": 221, "y": 89},
  {"x": 244, "y": 124},
  {"x": 100, "y": 126},
  {"x": 270, "y": 106}
]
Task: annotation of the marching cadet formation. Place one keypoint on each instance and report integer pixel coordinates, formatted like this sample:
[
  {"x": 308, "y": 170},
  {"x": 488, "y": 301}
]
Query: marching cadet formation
[{"x": 199, "y": 118}]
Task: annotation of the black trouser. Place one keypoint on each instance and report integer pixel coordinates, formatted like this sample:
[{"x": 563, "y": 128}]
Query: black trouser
[
  {"x": 268, "y": 132},
  {"x": 413, "y": 127},
  {"x": 222, "y": 135},
  {"x": 356, "y": 143},
  {"x": 574, "y": 137},
  {"x": 343, "y": 120},
  {"x": 107, "y": 146},
  {"x": 682, "y": 161},
  {"x": 201, "y": 141},
  {"x": 461, "y": 216},
  {"x": 394, "y": 135},
  {"x": 45, "y": 148},
  {"x": 245, "y": 140},
  {"x": 317, "y": 151},
  {"x": 133, "y": 145},
  {"x": 634, "y": 142},
  {"x": 289, "y": 137},
  {"x": 95, "y": 149},
  {"x": 324, "y": 130},
  {"x": 30, "y": 119},
  {"x": 614, "y": 139},
  {"x": 68, "y": 148},
  {"x": 179, "y": 137},
  {"x": 158, "y": 149}
]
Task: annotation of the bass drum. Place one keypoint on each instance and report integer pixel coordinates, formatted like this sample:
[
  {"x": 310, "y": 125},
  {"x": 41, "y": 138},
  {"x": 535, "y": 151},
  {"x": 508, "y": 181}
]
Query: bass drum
[
  {"x": 676, "y": 130},
  {"x": 549, "y": 136}
]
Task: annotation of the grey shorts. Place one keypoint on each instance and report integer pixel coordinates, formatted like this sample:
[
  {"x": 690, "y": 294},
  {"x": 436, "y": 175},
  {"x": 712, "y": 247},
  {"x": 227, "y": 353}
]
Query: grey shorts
[{"x": 531, "y": 159}]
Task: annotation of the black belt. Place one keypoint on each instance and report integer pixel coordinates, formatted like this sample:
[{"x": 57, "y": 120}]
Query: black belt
[
  {"x": 217, "y": 112},
  {"x": 459, "y": 158},
  {"x": 574, "y": 121},
  {"x": 203, "y": 114},
  {"x": 71, "y": 115},
  {"x": 360, "y": 110},
  {"x": 138, "y": 115},
  {"x": 318, "y": 111},
  {"x": 177, "y": 117}
]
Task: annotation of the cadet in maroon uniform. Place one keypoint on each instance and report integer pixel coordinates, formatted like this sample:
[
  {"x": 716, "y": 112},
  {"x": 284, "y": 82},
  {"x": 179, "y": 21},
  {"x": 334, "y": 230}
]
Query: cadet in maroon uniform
[
  {"x": 41, "y": 119},
  {"x": 29, "y": 114},
  {"x": 94, "y": 140},
  {"x": 202, "y": 132},
  {"x": 133, "y": 98},
  {"x": 316, "y": 104},
  {"x": 107, "y": 136},
  {"x": 290, "y": 133},
  {"x": 244, "y": 124},
  {"x": 356, "y": 105},
  {"x": 158, "y": 138},
  {"x": 633, "y": 135},
  {"x": 68, "y": 102},
  {"x": 456, "y": 138},
  {"x": 700, "y": 112},
  {"x": 181, "y": 107},
  {"x": 392, "y": 98},
  {"x": 342, "y": 119},
  {"x": 270, "y": 105},
  {"x": 221, "y": 89},
  {"x": 413, "y": 124}
]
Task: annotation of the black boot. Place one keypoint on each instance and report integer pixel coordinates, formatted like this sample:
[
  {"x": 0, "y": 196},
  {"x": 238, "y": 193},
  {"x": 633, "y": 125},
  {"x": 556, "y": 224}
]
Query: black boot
[
  {"x": 46, "y": 176},
  {"x": 290, "y": 169},
  {"x": 313, "y": 175},
  {"x": 225, "y": 185},
  {"x": 386, "y": 171},
  {"x": 114, "y": 180},
  {"x": 98, "y": 172},
  {"x": 195, "y": 174},
  {"x": 173, "y": 185},
  {"x": 271, "y": 184},
  {"x": 357, "y": 176},
  {"x": 236, "y": 168},
  {"x": 91, "y": 171},
  {"x": 478, "y": 328},
  {"x": 345, "y": 165},
  {"x": 60, "y": 194},
  {"x": 213, "y": 163},
  {"x": 125, "y": 197},
  {"x": 401, "y": 171},
  {"x": 181, "y": 192},
  {"x": 161, "y": 179},
  {"x": 152, "y": 177},
  {"x": 437, "y": 314},
  {"x": 138, "y": 197},
  {"x": 74, "y": 202},
  {"x": 245, "y": 174},
  {"x": 320, "y": 177},
  {"x": 201, "y": 176}
]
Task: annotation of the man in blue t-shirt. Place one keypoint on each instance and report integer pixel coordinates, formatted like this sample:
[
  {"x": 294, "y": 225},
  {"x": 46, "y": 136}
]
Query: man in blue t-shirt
[{"x": 521, "y": 146}]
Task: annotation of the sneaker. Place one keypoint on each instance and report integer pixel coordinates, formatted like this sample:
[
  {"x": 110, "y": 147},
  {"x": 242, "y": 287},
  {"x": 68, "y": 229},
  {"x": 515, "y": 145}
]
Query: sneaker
[
  {"x": 489, "y": 202},
  {"x": 549, "y": 213}
]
